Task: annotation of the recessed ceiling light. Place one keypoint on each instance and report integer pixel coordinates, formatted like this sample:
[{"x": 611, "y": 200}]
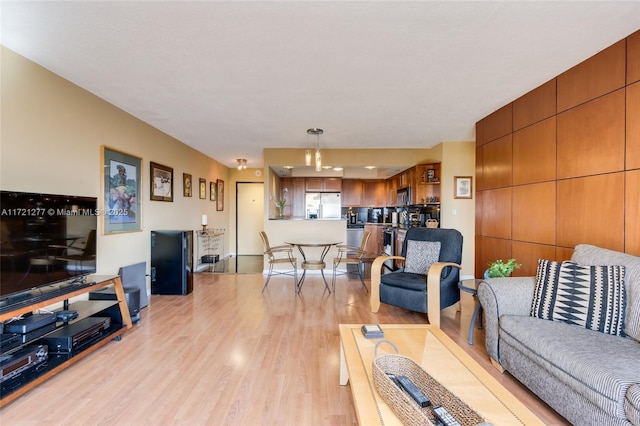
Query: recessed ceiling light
[
  {"x": 337, "y": 169},
  {"x": 327, "y": 167},
  {"x": 369, "y": 167}
]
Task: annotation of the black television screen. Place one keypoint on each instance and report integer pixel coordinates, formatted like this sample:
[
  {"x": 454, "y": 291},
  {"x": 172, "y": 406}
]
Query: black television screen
[{"x": 45, "y": 239}]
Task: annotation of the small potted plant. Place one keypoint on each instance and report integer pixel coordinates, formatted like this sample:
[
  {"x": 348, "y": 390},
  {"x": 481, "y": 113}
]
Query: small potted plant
[{"x": 499, "y": 268}]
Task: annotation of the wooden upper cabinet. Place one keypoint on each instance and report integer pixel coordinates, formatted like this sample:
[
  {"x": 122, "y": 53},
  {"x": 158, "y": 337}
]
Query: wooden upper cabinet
[
  {"x": 352, "y": 192},
  {"x": 297, "y": 198},
  {"x": 597, "y": 76},
  {"x": 374, "y": 193},
  {"x": 323, "y": 184}
]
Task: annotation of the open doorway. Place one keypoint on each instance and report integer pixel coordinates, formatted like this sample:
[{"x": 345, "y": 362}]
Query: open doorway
[{"x": 249, "y": 223}]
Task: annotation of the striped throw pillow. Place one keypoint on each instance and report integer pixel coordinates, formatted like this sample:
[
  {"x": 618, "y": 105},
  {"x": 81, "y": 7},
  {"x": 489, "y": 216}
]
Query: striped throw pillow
[{"x": 592, "y": 297}]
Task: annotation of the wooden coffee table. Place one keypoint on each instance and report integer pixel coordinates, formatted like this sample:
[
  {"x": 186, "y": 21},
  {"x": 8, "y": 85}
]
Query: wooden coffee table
[{"x": 441, "y": 358}]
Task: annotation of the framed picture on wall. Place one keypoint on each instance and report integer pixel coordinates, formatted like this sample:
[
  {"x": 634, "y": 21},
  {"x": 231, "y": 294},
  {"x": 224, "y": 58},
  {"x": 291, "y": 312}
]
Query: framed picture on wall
[
  {"x": 212, "y": 191},
  {"x": 202, "y": 188},
  {"x": 463, "y": 187},
  {"x": 121, "y": 200},
  {"x": 161, "y": 182},
  {"x": 186, "y": 185},
  {"x": 219, "y": 195}
]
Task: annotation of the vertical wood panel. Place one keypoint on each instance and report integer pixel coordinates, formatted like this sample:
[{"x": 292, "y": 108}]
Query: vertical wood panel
[
  {"x": 497, "y": 161},
  {"x": 632, "y": 213},
  {"x": 494, "y": 249},
  {"x": 534, "y": 153},
  {"x": 498, "y": 124},
  {"x": 527, "y": 255},
  {"x": 534, "y": 213},
  {"x": 479, "y": 135},
  {"x": 591, "y": 137},
  {"x": 479, "y": 211},
  {"x": 633, "y": 127},
  {"x": 598, "y": 75},
  {"x": 591, "y": 211},
  {"x": 480, "y": 183},
  {"x": 535, "y": 106},
  {"x": 633, "y": 57},
  {"x": 564, "y": 253},
  {"x": 496, "y": 213}
]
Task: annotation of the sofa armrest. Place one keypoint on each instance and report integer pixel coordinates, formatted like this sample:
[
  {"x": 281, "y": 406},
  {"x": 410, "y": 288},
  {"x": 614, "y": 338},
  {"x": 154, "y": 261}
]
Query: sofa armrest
[{"x": 503, "y": 296}]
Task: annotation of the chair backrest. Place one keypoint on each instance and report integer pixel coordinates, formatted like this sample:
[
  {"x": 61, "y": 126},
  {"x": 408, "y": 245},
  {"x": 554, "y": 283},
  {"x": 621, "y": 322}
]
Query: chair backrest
[
  {"x": 265, "y": 241},
  {"x": 363, "y": 244},
  {"x": 450, "y": 242}
]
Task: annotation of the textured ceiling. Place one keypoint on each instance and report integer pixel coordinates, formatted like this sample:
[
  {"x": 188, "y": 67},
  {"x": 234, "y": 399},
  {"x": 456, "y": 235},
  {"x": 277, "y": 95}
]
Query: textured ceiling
[{"x": 232, "y": 78}]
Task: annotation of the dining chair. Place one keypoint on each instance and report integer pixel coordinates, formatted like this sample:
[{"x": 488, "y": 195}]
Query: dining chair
[
  {"x": 350, "y": 255},
  {"x": 279, "y": 255}
]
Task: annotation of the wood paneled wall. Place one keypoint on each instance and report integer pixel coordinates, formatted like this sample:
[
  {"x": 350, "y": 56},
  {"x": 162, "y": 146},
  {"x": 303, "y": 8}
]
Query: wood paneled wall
[{"x": 560, "y": 166}]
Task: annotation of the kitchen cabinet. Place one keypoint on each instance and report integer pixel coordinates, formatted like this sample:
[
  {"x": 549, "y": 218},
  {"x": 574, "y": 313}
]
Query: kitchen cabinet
[
  {"x": 297, "y": 198},
  {"x": 374, "y": 193},
  {"x": 352, "y": 192},
  {"x": 318, "y": 184}
]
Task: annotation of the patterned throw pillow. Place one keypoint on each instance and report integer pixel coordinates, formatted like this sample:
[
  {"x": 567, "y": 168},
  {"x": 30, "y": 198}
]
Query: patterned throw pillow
[
  {"x": 421, "y": 255},
  {"x": 592, "y": 297}
]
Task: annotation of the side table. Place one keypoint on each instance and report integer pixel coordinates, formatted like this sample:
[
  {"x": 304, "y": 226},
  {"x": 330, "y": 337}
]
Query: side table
[{"x": 471, "y": 286}]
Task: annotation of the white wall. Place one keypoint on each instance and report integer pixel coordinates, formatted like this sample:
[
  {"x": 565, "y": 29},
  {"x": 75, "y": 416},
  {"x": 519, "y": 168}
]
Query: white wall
[{"x": 51, "y": 140}]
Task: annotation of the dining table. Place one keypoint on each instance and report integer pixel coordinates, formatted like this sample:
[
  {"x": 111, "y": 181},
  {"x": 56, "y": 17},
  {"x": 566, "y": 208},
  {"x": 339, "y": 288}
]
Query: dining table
[{"x": 313, "y": 264}]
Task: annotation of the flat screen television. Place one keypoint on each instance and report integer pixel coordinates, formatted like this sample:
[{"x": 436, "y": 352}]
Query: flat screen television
[{"x": 45, "y": 239}]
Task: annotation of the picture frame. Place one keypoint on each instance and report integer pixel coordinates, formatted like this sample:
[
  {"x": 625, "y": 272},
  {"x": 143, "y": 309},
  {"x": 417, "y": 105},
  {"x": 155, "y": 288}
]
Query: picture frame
[
  {"x": 463, "y": 187},
  {"x": 121, "y": 200},
  {"x": 219, "y": 195},
  {"x": 212, "y": 191},
  {"x": 187, "y": 184},
  {"x": 202, "y": 188},
  {"x": 161, "y": 178}
]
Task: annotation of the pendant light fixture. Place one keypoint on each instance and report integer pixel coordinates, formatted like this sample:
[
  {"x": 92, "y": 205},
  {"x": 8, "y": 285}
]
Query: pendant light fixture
[{"x": 318, "y": 158}]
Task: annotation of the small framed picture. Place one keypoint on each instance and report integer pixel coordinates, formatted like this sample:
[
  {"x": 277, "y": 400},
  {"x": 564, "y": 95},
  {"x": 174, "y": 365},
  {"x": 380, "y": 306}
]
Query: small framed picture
[
  {"x": 186, "y": 185},
  {"x": 203, "y": 188},
  {"x": 161, "y": 182},
  {"x": 219, "y": 195},
  {"x": 463, "y": 187},
  {"x": 212, "y": 191}
]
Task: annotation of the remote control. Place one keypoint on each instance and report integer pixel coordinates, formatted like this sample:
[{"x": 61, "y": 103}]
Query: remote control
[
  {"x": 413, "y": 390},
  {"x": 443, "y": 415},
  {"x": 394, "y": 379}
]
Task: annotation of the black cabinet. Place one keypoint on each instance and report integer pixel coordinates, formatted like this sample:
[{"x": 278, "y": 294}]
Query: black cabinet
[{"x": 171, "y": 262}]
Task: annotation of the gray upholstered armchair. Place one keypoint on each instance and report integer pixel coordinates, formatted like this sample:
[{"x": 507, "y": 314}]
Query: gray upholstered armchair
[{"x": 428, "y": 282}]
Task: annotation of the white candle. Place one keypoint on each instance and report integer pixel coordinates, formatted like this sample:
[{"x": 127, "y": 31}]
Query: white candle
[{"x": 204, "y": 219}]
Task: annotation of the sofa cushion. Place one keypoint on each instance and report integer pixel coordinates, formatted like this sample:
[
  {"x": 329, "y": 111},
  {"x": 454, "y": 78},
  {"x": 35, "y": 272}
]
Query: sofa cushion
[
  {"x": 599, "y": 366},
  {"x": 591, "y": 255},
  {"x": 589, "y": 296},
  {"x": 421, "y": 255}
]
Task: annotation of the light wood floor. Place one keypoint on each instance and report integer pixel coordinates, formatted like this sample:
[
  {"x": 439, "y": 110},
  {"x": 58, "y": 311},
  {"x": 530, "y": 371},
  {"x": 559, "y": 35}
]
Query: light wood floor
[{"x": 229, "y": 355}]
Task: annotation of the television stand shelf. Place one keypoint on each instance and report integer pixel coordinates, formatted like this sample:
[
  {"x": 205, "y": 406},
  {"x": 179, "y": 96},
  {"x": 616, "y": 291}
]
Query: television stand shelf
[{"x": 13, "y": 388}]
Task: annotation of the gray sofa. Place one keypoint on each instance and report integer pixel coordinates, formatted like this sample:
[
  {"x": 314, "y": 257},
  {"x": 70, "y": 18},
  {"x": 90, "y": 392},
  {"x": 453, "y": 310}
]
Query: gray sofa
[{"x": 587, "y": 376}]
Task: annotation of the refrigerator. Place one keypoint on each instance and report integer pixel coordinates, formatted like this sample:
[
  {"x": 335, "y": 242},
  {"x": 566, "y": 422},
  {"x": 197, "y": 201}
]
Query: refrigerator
[
  {"x": 171, "y": 262},
  {"x": 323, "y": 205}
]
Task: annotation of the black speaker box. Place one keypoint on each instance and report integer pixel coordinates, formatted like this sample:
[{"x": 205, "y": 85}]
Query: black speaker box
[{"x": 132, "y": 296}]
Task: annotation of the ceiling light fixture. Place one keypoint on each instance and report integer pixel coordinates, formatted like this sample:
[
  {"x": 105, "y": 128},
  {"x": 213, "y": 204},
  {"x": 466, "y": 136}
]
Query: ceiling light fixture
[
  {"x": 242, "y": 163},
  {"x": 316, "y": 132}
]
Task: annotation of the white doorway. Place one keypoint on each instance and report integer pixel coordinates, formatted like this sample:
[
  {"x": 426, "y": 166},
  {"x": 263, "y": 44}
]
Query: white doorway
[{"x": 249, "y": 218}]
